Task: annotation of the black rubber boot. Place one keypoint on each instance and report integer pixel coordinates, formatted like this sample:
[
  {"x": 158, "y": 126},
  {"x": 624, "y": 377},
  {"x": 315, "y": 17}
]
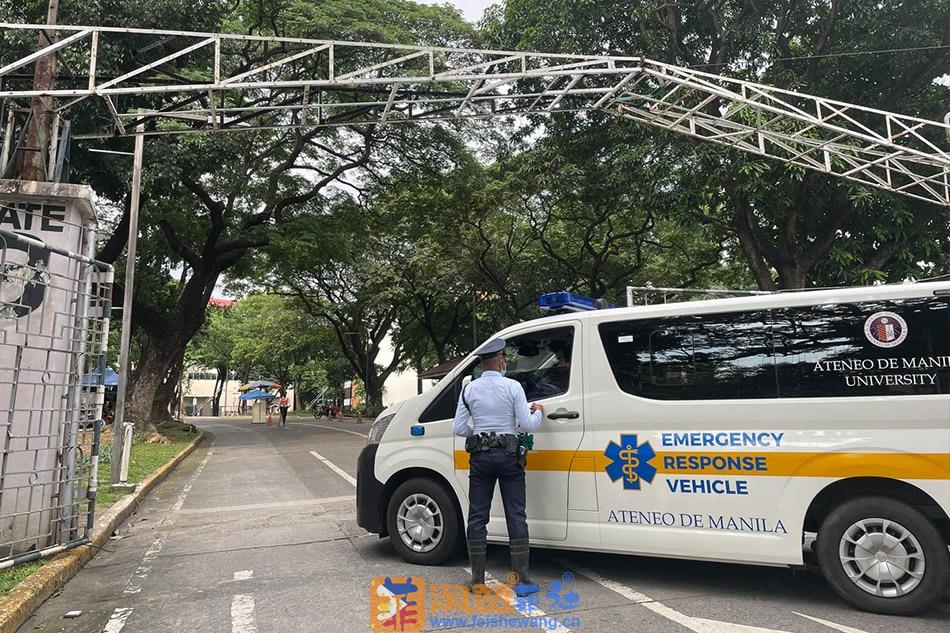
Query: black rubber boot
[
  {"x": 519, "y": 565},
  {"x": 477, "y": 550}
]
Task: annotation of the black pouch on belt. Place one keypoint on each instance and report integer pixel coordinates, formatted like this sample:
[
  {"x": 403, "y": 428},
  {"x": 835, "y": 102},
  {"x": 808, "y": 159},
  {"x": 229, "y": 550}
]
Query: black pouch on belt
[
  {"x": 471, "y": 444},
  {"x": 522, "y": 457},
  {"x": 511, "y": 444}
]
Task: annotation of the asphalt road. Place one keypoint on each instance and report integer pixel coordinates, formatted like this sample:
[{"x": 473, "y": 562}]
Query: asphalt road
[{"x": 254, "y": 532}]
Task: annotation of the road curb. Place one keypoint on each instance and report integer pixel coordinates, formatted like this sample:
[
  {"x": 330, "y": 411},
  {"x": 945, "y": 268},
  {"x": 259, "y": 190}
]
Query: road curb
[{"x": 18, "y": 605}]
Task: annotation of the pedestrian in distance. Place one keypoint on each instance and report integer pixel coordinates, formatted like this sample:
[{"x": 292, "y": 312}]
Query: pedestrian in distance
[
  {"x": 497, "y": 407},
  {"x": 284, "y": 407}
]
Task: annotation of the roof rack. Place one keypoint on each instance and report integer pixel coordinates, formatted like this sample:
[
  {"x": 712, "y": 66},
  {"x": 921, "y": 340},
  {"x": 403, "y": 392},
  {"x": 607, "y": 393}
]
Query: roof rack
[{"x": 664, "y": 295}]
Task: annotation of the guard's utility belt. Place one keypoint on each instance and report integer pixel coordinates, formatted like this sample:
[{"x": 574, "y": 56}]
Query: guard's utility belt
[{"x": 487, "y": 441}]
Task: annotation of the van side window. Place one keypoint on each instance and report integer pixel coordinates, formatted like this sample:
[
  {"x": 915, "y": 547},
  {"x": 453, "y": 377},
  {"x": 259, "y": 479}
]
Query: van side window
[
  {"x": 541, "y": 361},
  {"x": 443, "y": 407},
  {"x": 672, "y": 357},
  {"x": 701, "y": 357},
  {"x": 882, "y": 348}
]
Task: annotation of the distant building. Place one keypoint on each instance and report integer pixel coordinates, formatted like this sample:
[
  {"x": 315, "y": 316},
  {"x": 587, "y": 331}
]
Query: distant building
[
  {"x": 431, "y": 377},
  {"x": 219, "y": 302},
  {"x": 197, "y": 393}
]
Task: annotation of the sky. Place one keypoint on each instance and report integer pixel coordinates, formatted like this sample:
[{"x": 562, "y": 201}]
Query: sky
[{"x": 471, "y": 9}]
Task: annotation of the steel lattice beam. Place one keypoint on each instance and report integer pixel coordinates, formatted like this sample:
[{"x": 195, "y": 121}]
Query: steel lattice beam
[{"x": 198, "y": 82}]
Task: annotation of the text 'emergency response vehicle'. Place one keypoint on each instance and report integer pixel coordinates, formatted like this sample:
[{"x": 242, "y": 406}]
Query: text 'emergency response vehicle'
[{"x": 735, "y": 430}]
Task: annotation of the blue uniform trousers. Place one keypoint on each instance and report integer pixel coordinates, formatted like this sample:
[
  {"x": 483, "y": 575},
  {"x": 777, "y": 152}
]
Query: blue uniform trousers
[{"x": 485, "y": 468}]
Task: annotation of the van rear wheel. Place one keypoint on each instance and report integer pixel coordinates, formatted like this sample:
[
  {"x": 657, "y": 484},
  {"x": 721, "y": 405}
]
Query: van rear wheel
[
  {"x": 423, "y": 522},
  {"x": 884, "y": 556}
]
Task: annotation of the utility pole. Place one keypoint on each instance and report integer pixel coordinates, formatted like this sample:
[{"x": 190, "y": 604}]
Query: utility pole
[
  {"x": 34, "y": 156},
  {"x": 122, "y": 430}
]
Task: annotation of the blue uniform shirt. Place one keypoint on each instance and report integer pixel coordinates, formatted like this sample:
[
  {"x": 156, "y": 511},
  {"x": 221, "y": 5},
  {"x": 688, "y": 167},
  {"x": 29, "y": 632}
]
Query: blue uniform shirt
[{"x": 495, "y": 403}]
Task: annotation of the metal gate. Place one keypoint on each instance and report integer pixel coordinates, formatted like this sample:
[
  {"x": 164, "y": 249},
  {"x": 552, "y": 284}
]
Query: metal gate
[{"x": 54, "y": 326}]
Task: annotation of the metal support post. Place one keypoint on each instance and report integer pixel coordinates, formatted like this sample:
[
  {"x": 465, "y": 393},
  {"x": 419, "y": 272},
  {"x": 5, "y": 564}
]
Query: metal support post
[{"x": 122, "y": 429}]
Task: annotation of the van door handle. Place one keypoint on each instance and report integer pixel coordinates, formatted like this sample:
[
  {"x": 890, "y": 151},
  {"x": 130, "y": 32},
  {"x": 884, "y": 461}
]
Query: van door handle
[{"x": 561, "y": 414}]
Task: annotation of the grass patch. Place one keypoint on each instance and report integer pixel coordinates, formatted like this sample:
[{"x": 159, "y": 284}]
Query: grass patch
[
  {"x": 149, "y": 453},
  {"x": 10, "y": 578}
]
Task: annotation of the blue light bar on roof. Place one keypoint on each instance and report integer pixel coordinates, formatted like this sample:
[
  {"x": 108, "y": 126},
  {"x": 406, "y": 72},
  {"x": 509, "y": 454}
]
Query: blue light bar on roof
[{"x": 567, "y": 301}]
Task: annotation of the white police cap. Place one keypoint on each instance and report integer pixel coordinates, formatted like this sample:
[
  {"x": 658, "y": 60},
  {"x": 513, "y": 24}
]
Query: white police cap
[{"x": 491, "y": 347}]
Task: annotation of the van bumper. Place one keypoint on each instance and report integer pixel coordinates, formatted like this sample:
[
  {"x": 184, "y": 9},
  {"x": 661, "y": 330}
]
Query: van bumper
[{"x": 369, "y": 492}]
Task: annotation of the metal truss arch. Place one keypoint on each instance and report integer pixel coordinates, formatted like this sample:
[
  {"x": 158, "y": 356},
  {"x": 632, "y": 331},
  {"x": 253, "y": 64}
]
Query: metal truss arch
[{"x": 204, "y": 82}]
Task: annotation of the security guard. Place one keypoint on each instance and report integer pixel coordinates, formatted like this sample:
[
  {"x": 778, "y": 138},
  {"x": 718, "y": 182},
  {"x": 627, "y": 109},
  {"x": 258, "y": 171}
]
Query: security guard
[{"x": 496, "y": 405}]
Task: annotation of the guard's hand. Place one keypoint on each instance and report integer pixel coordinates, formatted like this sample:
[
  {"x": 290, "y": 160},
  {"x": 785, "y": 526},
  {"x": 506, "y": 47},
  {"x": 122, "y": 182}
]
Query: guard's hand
[{"x": 537, "y": 407}]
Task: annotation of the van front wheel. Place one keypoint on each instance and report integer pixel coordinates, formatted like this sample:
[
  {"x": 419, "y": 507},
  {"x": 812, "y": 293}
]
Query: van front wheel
[
  {"x": 884, "y": 556},
  {"x": 423, "y": 522}
]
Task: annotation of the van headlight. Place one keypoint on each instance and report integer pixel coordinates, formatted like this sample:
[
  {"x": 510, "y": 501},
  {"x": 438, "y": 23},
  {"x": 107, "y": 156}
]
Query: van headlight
[{"x": 379, "y": 427}]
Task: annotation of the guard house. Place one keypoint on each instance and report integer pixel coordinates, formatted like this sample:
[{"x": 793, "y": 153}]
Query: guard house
[{"x": 54, "y": 314}]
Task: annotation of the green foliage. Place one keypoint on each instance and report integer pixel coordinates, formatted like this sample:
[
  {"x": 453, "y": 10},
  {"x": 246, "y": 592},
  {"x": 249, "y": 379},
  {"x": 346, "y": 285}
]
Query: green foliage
[
  {"x": 10, "y": 578},
  {"x": 270, "y": 336},
  {"x": 391, "y": 21},
  {"x": 398, "y": 236},
  {"x": 213, "y": 346},
  {"x": 791, "y": 226}
]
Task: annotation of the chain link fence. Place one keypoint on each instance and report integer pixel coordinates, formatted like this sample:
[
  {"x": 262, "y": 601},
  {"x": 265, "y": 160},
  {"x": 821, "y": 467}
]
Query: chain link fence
[{"x": 54, "y": 325}]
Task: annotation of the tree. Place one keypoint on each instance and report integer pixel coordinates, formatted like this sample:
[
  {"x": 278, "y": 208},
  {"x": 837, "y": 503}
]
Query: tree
[
  {"x": 213, "y": 347},
  {"x": 343, "y": 276},
  {"x": 271, "y": 337},
  {"x": 275, "y": 339},
  {"x": 792, "y": 227},
  {"x": 216, "y": 200},
  {"x": 608, "y": 213}
]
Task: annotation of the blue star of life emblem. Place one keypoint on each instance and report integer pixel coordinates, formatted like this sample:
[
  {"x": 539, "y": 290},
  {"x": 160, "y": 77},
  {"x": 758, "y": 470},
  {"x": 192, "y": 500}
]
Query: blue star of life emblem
[{"x": 630, "y": 461}]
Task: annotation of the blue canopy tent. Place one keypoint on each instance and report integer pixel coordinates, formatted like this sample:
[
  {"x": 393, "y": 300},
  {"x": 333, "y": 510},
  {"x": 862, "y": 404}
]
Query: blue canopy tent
[
  {"x": 257, "y": 394},
  {"x": 92, "y": 379},
  {"x": 260, "y": 400}
]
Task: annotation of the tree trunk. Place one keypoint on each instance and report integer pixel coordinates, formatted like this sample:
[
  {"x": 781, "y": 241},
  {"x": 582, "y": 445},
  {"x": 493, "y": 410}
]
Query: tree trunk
[
  {"x": 374, "y": 393},
  {"x": 162, "y": 403},
  {"x": 149, "y": 393},
  {"x": 792, "y": 277},
  {"x": 218, "y": 388},
  {"x": 34, "y": 155}
]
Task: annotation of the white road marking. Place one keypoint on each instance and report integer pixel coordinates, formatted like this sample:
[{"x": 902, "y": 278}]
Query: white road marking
[
  {"x": 244, "y": 574},
  {"x": 117, "y": 620},
  {"x": 242, "y": 614},
  {"x": 339, "y": 471},
  {"x": 717, "y": 626},
  {"x": 698, "y": 625},
  {"x": 144, "y": 567},
  {"x": 133, "y": 585},
  {"x": 331, "y": 428},
  {"x": 184, "y": 491},
  {"x": 526, "y": 609},
  {"x": 830, "y": 625}
]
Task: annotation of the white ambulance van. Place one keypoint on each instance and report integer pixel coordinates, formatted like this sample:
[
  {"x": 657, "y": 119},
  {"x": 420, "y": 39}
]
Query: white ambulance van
[{"x": 728, "y": 430}]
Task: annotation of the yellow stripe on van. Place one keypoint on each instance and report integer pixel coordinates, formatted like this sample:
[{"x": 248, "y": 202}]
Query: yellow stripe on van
[{"x": 778, "y": 464}]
